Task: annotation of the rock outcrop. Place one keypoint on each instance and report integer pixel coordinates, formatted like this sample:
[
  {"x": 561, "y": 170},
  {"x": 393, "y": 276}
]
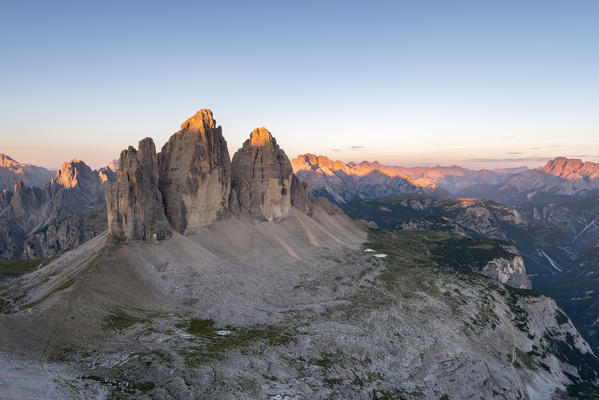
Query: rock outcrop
[
  {"x": 300, "y": 195},
  {"x": 134, "y": 203},
  {"x": 261, "y": 178},
  {"x": 572, "y": 168},
  {"x": 195, "y": 174},
  {"x": 106, "y": 174},
  {"x": 509, "y": 271}
]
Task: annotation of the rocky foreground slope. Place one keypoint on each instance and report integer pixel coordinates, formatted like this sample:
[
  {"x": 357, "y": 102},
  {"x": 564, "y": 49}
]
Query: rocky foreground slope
[
  {"x": 281, "y": 296},
  {"x": 558, "y": 241}
]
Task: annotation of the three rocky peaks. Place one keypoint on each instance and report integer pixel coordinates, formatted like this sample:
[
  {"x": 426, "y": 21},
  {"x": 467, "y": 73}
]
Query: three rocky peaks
[{"x": 192, "y": 182}]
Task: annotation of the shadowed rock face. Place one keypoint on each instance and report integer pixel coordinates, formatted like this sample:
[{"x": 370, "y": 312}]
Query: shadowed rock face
[
  {"x": 31, "y": 217},
  {"x": 195, "y": 174},
  {"x": 134, "y": 203},
  {"x": 300, "y": 195},
  {"x": 192, "y": 183},
  {"x": 261, "y": 178}
]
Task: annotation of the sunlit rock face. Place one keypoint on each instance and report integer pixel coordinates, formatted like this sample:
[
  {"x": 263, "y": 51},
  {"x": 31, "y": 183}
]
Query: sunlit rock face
[
  {"x": 572, "y": 168},
  {"x": 71, "y": 173},
  {"x": 261, "y": 178},
  {"x": 195, "y": 174},
  {"x": 12, "y": 171},
  {"x": 134, "y": 203}
]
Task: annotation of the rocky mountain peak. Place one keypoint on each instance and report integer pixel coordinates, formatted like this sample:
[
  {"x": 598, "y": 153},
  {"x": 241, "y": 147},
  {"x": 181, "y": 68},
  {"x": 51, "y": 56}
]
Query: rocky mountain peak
[
  {"x": 73, "y": 173},
  {"x": 571, "y": 168},
  {"x": 12, "y": 171},
  {"x": 195, "y": 174},
  {"x": 261, "y": 137},
  {"x": 261, "y": 178},
  {"x": 134, "y": 203},
  {"x": 6, "y": 161},
  {"x": 201, "y": 121},
  {"x": 113, "y": 165}
]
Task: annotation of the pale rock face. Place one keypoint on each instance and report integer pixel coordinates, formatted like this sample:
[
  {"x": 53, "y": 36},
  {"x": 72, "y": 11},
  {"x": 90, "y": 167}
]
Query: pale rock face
[
  {"x": 509, "y": 271},
  {"x": 262, "y": 178},
  {"x": 134, "y": 203},
  {"x": 195, "y": 174}
]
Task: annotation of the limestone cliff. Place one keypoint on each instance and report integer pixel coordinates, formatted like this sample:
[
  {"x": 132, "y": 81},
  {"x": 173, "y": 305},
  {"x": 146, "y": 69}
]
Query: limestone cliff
[
  {"x": 262, "y": 177},
  {"x": 509, "y": 271},
  {"x": 195, "y": 174},
  {"x": 134, "y": 203}
]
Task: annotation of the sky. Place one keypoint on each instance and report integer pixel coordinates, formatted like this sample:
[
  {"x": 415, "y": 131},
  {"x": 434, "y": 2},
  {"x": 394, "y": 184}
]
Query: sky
[{"x": 476, "y": 83}]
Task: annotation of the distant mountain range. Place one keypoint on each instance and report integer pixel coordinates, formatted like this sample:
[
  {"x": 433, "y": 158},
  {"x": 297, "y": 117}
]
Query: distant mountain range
[
  {"x": 46, "y": 218},
  {"x": 561, "y": 179},
  {"x": 12, "y": 171}
]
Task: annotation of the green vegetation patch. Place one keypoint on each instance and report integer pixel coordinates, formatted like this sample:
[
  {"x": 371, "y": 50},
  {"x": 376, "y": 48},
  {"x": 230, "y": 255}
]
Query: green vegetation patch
[
  {"x": 212, "y": 346},
  {"x": 565, "y": 350},
  {"x": 201, "y": 327},
  {"x": 560, "y": 317},
  {"x": 435, "y": 248},
  {"x": 12, "y": 268},
  {"x": 119, "y": 320},
  {"x": 469, "y": 253}
]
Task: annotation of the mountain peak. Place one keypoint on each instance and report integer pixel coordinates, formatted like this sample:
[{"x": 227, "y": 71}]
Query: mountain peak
[
  {"x": 71, "y": 173},
  {"x": 7, "y": 161},
  {"x": 571, "y": 168},
  {"x": 260, "y": 137},
  {"x": 261, "y": 178},
  {"x": 201, "y": 121}
]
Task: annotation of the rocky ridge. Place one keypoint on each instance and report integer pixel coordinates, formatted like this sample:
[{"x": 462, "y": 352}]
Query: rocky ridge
[
  {"x": 12, "y": 171},
  {"x": 198, "y": 184},
  {"x": 134, "y": 202},
  {"x": 41, "y": 221},
  {"x": 340, "y": 182},
  {"x": 572, "y": 168}
]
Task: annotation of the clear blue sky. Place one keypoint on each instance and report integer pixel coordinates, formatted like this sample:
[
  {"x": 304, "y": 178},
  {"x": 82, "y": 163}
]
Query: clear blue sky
[{"x": 477, "y": 83}]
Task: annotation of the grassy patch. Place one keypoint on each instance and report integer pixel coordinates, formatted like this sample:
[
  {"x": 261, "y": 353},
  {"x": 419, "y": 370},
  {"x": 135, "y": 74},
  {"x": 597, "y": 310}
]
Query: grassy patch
[
  {"x": 12, "y": 268},
  {"x": 525, "y": 359},
  {"x": 120, "y": 320},
  {"x": 211, "y": 346},
  {"x": 201, "y": 327}
]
